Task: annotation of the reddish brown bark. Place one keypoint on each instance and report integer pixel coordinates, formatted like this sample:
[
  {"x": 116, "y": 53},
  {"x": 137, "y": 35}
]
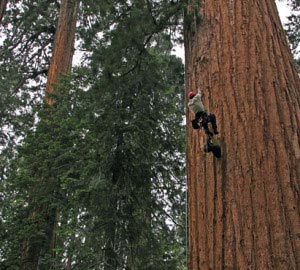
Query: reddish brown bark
[
  {"x": 44, "y": 216},
  {"x": 61, "y": 61},
  {"x": 243, "y": 208}
]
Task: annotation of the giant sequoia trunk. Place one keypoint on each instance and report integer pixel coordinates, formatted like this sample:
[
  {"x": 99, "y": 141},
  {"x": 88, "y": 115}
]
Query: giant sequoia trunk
[
  {"x": 244, "y": 209},
  {"x": 39, "y": 246}
]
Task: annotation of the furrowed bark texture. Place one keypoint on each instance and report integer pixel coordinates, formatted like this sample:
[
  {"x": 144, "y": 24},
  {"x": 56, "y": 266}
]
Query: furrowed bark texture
[
  {"x": 61, "y": 61},
  {"x": 244, "y": 207}
]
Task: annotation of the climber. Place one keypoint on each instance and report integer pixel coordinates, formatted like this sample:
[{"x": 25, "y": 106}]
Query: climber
[{"x": 201, "y": 117}]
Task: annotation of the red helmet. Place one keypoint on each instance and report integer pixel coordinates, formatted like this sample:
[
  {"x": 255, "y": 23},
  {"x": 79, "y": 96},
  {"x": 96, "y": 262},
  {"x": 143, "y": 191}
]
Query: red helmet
[{"x": 192, "y": 94}]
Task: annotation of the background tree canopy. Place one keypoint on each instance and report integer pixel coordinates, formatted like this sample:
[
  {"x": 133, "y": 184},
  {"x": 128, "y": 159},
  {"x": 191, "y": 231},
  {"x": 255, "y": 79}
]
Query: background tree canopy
[{"x": 96, "y": 180}]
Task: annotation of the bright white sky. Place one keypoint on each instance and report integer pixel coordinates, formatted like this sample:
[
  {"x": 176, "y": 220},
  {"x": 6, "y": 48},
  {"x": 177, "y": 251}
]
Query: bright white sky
[{"x": 283, "y": 10}]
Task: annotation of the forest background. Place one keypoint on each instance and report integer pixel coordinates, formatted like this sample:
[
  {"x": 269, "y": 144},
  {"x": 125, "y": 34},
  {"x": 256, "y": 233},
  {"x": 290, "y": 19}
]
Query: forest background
[{"x": 93, "y": 171}]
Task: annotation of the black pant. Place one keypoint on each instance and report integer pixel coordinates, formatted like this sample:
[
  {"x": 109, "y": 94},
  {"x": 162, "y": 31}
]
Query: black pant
[{"x": 211, "y": 118}]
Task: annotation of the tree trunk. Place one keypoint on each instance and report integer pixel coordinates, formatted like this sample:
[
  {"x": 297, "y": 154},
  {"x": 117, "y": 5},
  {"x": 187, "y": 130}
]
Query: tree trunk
[
  {"x": 61, "y": 61},
  {"x": 3, "y": 4},
  {"x": 38, "y": 246},
  {"x": 244, "y": 207}
]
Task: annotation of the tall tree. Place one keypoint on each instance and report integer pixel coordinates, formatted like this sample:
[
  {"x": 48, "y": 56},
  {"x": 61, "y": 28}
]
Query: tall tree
[
  {"x": 108, "y": 157},
  {"x": 244, "y": 207},
  {"x": 128, "y": 94},
  {"x": 42, "y": 211},
  {"x": 26, "y": 34}
]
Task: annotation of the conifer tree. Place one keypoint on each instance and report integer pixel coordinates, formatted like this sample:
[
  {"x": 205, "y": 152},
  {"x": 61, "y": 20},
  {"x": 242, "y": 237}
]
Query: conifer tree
[
  {"x": 244, "y": 207},
  {"x": 102, "y": 171},
  {"x": 122, "y": 92},
  {"x": 41, "y": 211}
]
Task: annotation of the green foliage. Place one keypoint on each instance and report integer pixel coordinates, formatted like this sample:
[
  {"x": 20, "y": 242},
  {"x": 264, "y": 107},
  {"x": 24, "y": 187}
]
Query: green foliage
[
  {"x": 27, "y": 32},
  {"x": 105, "y": 163}
]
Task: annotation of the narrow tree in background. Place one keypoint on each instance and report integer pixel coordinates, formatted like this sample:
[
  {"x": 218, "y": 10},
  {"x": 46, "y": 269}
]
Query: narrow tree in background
[
  {"x": 42, "y": 211},
  {"x": 244, "y": 207},
  {"x": 61, "y": 61}
]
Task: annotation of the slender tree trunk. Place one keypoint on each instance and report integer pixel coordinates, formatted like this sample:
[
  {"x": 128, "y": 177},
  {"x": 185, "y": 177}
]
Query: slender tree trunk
[
  {"x": 61, "y": 61},
  {"x": 35, "y": 248},
  {"x": 3, "y": 4},
  {"x": 243, "y": 208}
]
